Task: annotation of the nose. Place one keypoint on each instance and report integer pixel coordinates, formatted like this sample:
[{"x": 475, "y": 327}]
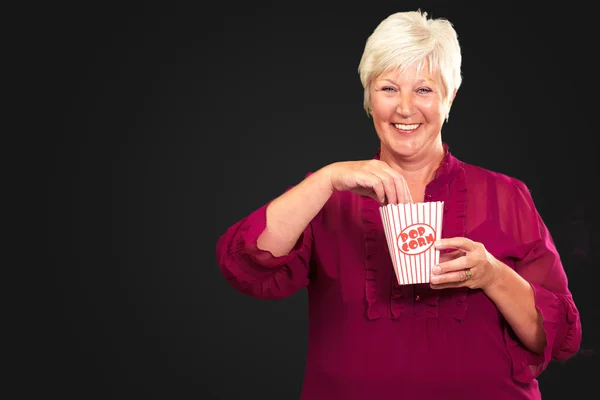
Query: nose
[{"x": 405, "y": 105}]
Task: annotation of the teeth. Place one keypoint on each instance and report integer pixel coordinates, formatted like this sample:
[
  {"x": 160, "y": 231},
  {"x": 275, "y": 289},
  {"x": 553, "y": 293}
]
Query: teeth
[{"x": 406, "y": 127}]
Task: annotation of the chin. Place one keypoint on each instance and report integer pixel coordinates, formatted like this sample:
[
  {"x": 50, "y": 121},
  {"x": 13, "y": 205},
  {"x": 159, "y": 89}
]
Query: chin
[{"x": 405, "y": 148}]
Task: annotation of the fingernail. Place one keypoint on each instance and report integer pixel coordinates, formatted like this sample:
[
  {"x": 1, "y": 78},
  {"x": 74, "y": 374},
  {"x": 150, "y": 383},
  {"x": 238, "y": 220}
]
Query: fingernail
[{"x": 436, "y": 269}]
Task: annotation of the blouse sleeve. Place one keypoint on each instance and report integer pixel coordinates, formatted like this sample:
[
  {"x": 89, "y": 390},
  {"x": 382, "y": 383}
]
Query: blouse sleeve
[
  {"x": 539, "y": 263},
  {"x": 258, "y": 273}
]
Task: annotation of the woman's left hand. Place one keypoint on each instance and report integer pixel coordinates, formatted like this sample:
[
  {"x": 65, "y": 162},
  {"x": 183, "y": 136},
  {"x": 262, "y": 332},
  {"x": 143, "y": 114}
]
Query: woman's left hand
[{"x": 470, "y": 265}]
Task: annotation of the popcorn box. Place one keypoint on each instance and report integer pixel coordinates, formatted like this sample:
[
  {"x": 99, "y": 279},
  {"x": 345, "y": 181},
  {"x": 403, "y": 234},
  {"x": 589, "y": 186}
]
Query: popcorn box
[{"x": 411, "y": 230}]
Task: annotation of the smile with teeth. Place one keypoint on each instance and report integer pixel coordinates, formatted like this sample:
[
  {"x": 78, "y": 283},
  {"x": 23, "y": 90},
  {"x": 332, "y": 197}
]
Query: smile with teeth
[{"x": 403, "y": 127}]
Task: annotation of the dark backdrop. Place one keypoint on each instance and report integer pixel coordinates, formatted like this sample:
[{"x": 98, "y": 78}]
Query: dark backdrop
[{"x": 172, "y": 122}]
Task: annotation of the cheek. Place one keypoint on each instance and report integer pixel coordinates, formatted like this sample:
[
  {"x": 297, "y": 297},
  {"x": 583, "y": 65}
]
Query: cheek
[
  {"x": 382, "y": 110},
  {"x": 433, "y": 110}
]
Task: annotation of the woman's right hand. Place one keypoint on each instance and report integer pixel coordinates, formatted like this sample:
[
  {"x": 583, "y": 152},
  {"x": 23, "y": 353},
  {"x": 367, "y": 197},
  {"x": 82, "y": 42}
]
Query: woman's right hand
[{"x": 372, "y": 178}]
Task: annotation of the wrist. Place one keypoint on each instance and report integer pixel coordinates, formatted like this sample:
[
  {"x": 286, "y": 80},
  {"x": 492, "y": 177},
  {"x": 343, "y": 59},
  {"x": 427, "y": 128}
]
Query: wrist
[
  {"x": 324, "y": 175},
  {"x": 497, "y": 278}
]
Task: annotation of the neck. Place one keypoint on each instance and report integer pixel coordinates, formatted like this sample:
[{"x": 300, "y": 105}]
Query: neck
[{"x": 418, "y": 169}]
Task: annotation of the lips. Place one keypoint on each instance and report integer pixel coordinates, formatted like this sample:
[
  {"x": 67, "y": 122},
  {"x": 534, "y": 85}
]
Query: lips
[{"x": 406, "y": 128}]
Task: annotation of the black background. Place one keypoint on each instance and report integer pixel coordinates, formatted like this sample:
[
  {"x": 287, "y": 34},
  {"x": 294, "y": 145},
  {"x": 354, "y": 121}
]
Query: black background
[{"x": 167, "y": 123}]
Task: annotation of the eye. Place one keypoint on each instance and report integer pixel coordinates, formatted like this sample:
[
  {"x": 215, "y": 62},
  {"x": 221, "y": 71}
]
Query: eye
[
  {"x": 388, "y": 89},
  {"x": 424, "y": 90}
]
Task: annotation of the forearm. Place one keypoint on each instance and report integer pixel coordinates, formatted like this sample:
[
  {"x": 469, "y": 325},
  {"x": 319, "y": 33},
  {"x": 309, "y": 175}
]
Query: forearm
[
  {"x": 514, "y": 298},
  {"x": 289, "y": 214}
]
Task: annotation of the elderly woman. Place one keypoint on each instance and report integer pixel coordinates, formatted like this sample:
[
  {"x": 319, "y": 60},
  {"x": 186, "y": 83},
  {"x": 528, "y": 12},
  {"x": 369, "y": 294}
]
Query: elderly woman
[{"x": 497, "y": 308}]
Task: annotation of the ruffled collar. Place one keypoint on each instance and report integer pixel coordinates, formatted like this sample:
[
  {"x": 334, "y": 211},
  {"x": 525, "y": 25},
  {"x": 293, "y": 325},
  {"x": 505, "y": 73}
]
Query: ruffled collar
[
  {"x": 445, "y": 171},
  {"x": 449, "y": 185}
]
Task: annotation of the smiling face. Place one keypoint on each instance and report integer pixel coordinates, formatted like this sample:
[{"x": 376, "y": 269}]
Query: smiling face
[{"x": 408, "y": 112}]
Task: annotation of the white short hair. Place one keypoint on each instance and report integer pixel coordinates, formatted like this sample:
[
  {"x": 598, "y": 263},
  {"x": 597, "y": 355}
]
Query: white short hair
[{"x": 409, "y": 38}]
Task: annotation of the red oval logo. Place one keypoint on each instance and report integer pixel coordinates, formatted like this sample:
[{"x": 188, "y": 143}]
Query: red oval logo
[{"x": 415, "y": 239}]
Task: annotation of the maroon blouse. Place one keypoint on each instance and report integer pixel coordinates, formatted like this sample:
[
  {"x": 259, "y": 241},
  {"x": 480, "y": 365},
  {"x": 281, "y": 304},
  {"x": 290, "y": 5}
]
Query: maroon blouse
[{"x": 370, "y": 338}]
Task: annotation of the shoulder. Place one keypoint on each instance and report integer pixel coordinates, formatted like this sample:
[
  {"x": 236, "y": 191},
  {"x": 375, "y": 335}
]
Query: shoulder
[
  {"x": 497, "y": 189},
  {"x": 484, "y": 176}
]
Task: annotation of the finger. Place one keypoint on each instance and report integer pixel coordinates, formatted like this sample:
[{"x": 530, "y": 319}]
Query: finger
[
  {"x": 446, "y": 285},
  {"x": 449, "y": 278},
  {"x": 451, "y": 255},
  {"x": 401, "y": 190},
  {"x": 388, "y": 185},
  {"x": 456, "y": 264},
  {"x": 368, "y": 180},
  {"x": 460, "y": 243}
]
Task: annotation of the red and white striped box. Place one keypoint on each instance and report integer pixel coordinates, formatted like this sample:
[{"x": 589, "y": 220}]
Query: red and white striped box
[{"x": 411, "y": 230}]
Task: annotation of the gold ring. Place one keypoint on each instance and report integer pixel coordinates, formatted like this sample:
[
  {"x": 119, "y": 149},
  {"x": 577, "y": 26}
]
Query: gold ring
[{"x": 468, "y": 274}]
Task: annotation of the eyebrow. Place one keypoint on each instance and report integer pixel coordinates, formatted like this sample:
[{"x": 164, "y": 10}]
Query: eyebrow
[{"x": 416, "y": 82}]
